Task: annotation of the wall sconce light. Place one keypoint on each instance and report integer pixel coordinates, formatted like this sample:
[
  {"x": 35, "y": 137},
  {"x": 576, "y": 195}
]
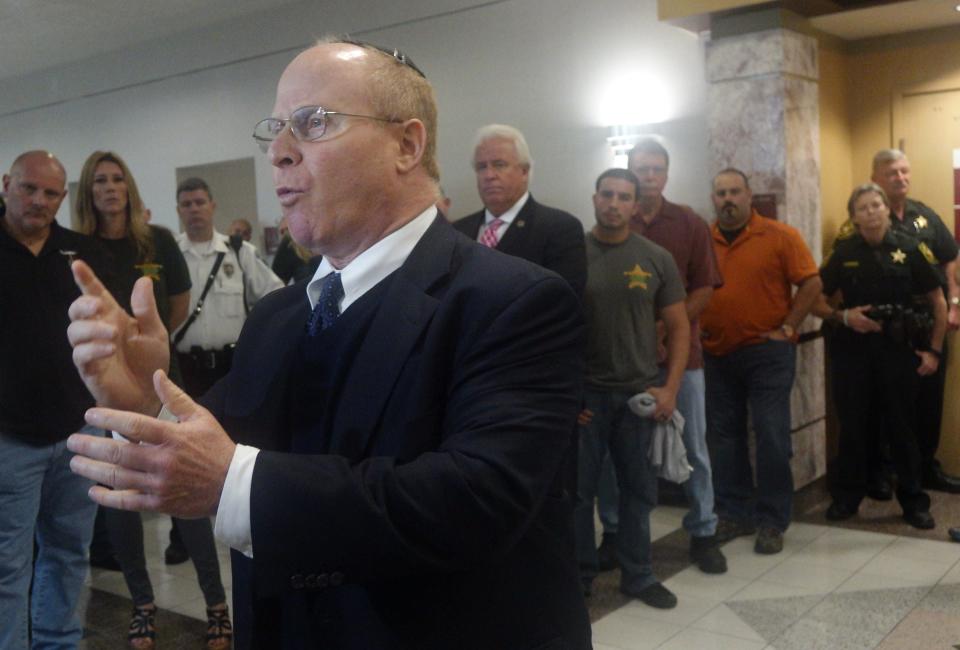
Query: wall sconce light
[{"x": 623, "y": 137}]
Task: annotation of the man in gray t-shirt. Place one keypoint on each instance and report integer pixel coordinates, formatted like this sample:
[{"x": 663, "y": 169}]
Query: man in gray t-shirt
[{"x": 631, "y": 284}]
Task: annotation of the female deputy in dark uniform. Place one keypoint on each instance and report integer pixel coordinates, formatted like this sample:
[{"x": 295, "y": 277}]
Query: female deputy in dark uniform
[{"x": 881, "y": 290}]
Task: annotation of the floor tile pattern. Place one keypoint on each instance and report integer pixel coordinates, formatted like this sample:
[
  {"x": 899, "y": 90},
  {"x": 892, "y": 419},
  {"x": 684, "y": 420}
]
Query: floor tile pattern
[{"x": 870, "y": 584}]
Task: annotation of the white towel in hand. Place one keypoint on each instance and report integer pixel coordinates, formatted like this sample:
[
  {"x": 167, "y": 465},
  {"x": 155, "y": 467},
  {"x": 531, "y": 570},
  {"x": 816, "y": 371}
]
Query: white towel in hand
[{"x": 666, "y": 452}]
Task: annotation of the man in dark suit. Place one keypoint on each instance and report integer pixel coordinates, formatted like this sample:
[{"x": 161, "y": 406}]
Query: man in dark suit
[
  {"x": 511, "y": 221},
  {"x": 398, "y": 482}
]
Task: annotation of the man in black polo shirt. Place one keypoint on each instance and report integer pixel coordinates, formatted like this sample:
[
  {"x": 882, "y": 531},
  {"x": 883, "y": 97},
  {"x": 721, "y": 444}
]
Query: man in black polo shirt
[{"x": 42, "y": 401}]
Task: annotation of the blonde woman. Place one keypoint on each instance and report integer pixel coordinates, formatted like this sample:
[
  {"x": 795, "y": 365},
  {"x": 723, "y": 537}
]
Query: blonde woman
[{"x": 109, "y": 206}]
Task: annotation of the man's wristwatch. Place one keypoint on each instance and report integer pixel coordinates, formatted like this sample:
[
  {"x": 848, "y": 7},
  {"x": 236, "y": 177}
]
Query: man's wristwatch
[{"x": 788, "y": 330}]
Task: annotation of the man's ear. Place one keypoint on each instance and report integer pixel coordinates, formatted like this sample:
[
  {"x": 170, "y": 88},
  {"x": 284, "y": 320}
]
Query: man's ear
[{"x": 413, "y": 145}]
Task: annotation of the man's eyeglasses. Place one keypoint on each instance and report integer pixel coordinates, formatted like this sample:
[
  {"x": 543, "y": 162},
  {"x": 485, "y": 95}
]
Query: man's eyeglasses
[{"x": 307, "y": 124}]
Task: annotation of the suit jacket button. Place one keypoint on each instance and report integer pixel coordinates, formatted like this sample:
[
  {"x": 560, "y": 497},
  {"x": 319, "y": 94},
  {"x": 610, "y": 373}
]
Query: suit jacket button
[
  {"x": 336, "y": 579},
  {"x": 323, "y": 580},
  {"x": 296, "y": 581},
  {"x": 311, "y": 581}
]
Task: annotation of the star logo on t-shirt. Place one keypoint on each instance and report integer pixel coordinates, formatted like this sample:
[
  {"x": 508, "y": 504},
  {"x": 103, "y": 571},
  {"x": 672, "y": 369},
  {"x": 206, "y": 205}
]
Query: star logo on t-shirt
[
  {"x": 638, "y": 277},
  {"x": 149, "y": 270},
  {"x": 899, "y": 257}
]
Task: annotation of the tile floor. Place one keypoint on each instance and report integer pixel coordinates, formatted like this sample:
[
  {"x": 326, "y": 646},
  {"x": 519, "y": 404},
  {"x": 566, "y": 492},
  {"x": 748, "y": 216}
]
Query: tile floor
[{"x": 831, "y": 588}]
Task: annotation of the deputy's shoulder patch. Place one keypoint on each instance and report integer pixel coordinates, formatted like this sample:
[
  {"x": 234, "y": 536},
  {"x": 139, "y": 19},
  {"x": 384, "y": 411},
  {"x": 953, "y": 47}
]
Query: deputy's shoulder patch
[
  {"x": 846, "y": 231},
  {"x": 927, "y": 253}
]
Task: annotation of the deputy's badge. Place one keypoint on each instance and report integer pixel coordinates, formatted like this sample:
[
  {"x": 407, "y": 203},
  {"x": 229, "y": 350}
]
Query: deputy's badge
[
  {"x": 899, "y": 257},
  {"x": 228, "y": 269},
  {"x": 151, "y": 271},
  {"x": 638, "y": 277},
  {"x": 521, "y": 223},
  {"x": 920, "y": 223},
  {"x": 927, "y": 253},
  {"x": 70, "y": 255}
]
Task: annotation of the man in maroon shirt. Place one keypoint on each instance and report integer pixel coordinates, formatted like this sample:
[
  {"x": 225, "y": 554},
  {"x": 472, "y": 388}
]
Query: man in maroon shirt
[{"x": 686, "y": 235}]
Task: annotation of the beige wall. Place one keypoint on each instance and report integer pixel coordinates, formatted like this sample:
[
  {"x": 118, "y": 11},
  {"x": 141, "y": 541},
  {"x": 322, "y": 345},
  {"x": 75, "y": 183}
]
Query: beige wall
[
  {"x": 880, "y": 71},
  {"x": 836, "y": 151}
]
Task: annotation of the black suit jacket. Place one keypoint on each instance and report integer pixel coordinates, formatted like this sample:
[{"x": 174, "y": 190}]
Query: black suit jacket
[
  {"x": 546, "y": 236},
  {"x": 439, "y": 519}
]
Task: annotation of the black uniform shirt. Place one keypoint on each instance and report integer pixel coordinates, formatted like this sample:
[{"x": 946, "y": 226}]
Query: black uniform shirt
[
  {"x": 168, "y": 269},
  {"x": 900, "y": 268},
  {"x": 42, "y": 398},
  {"x": 920, "y": 221}
]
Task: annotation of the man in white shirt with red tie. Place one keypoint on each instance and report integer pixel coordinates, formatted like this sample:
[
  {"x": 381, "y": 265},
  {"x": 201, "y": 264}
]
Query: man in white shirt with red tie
[{"x": 511, "y": 221}]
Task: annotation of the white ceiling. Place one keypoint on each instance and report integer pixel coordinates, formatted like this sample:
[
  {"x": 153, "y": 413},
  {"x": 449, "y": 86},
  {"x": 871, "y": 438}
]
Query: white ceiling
[
  {"x": 40, "y": 34},
  {"x": 894, "y": 18}
]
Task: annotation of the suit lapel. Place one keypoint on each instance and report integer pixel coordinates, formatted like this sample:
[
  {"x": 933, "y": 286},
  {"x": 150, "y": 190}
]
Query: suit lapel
[
  {"x": 516, "y": 235},
  {"x": 473, "y": 225},
  {"x": 270, "y": 356},
  {"x": 403, "y": 314}
]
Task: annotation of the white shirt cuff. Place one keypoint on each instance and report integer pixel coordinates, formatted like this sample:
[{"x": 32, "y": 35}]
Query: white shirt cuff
[{"x": 233, "y": 514}]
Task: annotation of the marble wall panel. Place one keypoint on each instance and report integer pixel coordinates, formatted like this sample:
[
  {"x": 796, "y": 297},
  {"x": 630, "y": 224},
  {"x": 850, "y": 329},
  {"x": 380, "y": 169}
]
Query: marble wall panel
[
  {"x": 809, "y": 460},
  {"x": 747, "y": 130},
  {"x": 774, "y": 51},
  {"x": 802, "y": 183},
  {"x": 807, "y": 399}
]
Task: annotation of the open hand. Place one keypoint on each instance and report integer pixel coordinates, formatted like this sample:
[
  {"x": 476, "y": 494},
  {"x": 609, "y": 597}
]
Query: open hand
[
  {"x": 179, "y": 468},
  {"x": 117, "y": 354}
]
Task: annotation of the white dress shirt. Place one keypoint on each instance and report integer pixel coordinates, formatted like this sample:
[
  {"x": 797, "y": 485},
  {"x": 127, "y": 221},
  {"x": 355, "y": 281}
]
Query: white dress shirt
[
  {"x": 507, "y": 217},
  {"x": 223, "y": 314},
  {"x": 359, "y": 276}
]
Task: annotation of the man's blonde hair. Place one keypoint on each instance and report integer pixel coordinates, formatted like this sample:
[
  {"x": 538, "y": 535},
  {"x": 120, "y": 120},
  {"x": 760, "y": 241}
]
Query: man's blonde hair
[{"x": 398, "y": 92}]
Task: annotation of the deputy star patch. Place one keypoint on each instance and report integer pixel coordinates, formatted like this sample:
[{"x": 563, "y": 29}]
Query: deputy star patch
[
  {"x": 638, "y": 277},
  {"x": 899, "y": 257},
  {"x": 920, "y": 223},
  {"x": 151, "y": 271}
]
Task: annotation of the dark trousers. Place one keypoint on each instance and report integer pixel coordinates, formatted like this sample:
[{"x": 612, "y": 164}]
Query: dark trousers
[
  {"x": 126, "y": 536},
  {"x": 929, "y": 413},
  {"x": 868, "y": 368},
  {"x": 760, "y": 376}
]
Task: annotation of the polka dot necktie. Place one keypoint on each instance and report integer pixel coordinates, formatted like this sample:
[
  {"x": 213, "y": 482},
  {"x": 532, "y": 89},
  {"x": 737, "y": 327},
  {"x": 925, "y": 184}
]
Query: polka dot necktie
[{"x": 328, "y": 306}]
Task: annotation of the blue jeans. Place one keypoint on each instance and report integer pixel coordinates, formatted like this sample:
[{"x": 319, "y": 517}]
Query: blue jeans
[
  {"x": 700, "y": 520},
  {"x": 608, "y": 498},
  {"x": 40, "y": 498},
  {"x": 627, "y": 436},
  {"x": 760, "y": 376}
]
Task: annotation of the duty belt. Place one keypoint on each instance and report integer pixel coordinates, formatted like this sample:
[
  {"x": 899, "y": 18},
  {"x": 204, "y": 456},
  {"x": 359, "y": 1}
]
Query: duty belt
[
  {"x": 211, "y": 359},
  {"x": 904, "y": 324}
]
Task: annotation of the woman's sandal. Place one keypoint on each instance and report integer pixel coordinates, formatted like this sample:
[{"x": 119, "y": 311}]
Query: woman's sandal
[
  {"x": 142, "y": 633},
  {"x": 219, "y": 629}
]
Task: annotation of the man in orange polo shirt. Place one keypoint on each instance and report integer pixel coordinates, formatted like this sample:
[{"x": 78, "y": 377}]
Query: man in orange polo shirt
[{"x": 749, "y": 335}]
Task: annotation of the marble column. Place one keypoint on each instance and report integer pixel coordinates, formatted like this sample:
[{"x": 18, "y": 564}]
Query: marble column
[{"x": 763, "y": 117}]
